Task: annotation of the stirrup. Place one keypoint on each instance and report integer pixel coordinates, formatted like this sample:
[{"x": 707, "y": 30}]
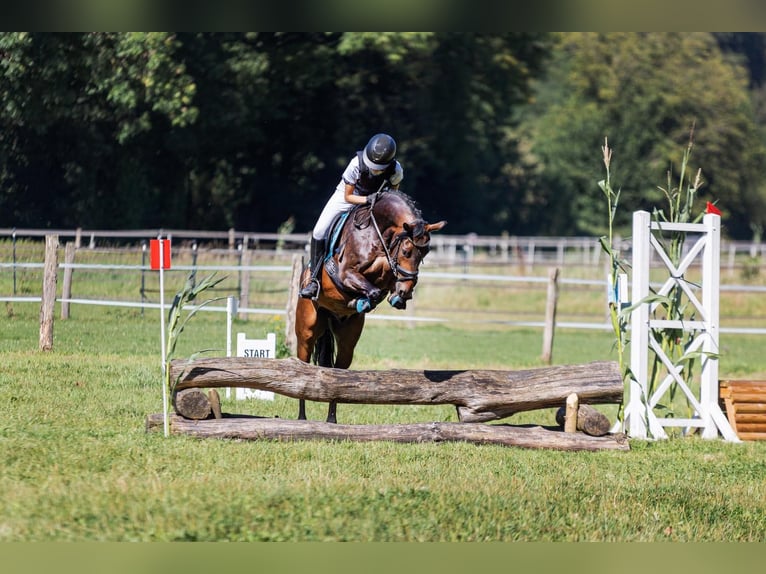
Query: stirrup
[{"x": 308, "y": 293}]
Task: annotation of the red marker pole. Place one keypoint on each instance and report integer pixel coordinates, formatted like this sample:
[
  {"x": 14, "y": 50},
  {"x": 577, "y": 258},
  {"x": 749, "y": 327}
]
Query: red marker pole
[{"x": 159, "y": 258}]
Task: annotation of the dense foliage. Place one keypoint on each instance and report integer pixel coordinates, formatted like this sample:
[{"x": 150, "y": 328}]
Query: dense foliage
[{"x": 497, "y": 132}]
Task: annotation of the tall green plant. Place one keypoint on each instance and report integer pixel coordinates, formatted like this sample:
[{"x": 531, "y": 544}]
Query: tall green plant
[
  {"x": 177, "y": 321},
  {"x": 674, "y": 342},
  {"x": 674, "y": 306},
  {"x": 616, "y": 266}
]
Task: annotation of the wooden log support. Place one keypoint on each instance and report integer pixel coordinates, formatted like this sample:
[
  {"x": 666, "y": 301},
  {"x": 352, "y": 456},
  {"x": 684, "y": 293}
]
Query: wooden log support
[
  {"x": 254, "y": 428},
  {"x": 588, "y": 420},
  {"x": 479, "y": 395},
  {"x": 570, "y": 413},
  {"x": 215, "y": 403}
]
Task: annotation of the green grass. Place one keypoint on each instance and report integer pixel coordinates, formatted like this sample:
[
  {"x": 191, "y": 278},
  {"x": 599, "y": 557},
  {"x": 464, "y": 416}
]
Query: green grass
[{"x": 78, "y": 464}]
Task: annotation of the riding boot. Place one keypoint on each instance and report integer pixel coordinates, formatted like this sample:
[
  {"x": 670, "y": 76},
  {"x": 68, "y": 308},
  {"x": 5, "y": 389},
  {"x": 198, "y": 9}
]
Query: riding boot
[{"x": 311, "y": 290}]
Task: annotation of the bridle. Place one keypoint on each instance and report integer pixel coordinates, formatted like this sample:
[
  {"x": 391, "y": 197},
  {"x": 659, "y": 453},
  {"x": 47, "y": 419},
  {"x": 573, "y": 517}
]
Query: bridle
[{"x": 399, "y": 273}]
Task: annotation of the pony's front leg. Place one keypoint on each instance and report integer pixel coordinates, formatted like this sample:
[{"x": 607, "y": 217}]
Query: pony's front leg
[{"x": 357, "y": 283}]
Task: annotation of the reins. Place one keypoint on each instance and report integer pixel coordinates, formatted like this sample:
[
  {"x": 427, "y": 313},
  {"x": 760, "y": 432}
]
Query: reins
[{"x": 399, "y": 273}]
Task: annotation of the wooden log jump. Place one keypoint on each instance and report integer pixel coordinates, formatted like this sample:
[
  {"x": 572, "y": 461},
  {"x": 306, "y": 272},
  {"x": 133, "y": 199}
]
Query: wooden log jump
[
  {"x": 479, "y": 395},
  {"x": 255, "y": 428}
]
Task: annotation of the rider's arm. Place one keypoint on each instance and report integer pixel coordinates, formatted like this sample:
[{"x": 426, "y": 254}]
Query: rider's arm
[
  {"x": 349, "y": 196},
  {"x": 397, "y": 177}
]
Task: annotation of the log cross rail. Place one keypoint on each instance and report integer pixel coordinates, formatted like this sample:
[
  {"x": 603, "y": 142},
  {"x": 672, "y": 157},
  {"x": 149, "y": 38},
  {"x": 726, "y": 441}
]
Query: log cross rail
[{"x": 479, "y": 395}]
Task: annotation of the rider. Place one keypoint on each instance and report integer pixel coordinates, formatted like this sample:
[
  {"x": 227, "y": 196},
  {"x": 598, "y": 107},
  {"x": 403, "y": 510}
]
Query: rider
[{"x": 372, "y": 170}]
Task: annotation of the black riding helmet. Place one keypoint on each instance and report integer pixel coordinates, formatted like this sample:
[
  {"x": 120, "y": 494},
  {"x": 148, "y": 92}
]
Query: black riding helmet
[{"x": 379, "y": 151}]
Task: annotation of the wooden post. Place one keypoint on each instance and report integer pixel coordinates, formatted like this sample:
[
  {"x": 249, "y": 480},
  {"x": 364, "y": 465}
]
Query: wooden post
[
  {"x": 66, "y": 292},
  {"x": 49, "y": 292},
  {"x": 244, "y": 287},
  {"x": 570, "y": 419},
  {"x": 550, "y": 314},
  {"x": 292, "y": 302}
]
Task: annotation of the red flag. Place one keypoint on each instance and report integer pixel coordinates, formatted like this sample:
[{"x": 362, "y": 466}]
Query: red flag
[
  {"x": 154, "y": 254},
  {"x": 712, "y": 209}
]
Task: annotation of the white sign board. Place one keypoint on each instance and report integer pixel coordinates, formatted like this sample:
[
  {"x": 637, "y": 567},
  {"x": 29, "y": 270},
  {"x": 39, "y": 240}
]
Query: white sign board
[{"x": 256, "y": 349}]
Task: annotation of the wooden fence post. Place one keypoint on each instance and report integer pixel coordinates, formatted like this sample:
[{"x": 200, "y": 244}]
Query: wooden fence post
[
  {"x": 244, "y": 285},
  {"x": 49, "y": 292},
  {"x": 292, "y": 301},
  {"x": 66, "y": 291},
  {"x": 550, "y": 314}
]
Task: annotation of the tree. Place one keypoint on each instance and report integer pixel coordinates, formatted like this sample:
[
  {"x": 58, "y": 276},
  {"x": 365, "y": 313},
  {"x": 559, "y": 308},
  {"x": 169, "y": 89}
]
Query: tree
[
  {"x": 75, "y": 111},
  {"x": 645, "y": 92},
  {"x": 211, "y": 130}
]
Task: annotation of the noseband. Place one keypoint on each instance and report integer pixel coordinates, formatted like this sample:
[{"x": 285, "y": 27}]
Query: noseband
[{"x": 399, "y": 273}]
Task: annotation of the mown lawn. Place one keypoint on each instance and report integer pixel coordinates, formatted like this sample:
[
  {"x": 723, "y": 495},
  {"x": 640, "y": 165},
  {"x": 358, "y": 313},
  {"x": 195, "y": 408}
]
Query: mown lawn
[{"x": 78, "y": 464}]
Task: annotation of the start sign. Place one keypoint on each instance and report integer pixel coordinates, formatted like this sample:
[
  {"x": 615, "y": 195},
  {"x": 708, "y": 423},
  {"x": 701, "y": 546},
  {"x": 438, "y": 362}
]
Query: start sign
[{"x": 154, "y": 253}]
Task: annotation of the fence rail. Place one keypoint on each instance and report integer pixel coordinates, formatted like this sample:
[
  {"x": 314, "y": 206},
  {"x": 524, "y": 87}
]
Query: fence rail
[
  {"x": 468, "y": 249},
  {"x": 263, "y": 289}
]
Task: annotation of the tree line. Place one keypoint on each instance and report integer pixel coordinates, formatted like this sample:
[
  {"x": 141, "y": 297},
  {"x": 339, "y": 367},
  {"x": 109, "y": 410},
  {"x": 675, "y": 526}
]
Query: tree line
[{"x": 497, "y": 133}]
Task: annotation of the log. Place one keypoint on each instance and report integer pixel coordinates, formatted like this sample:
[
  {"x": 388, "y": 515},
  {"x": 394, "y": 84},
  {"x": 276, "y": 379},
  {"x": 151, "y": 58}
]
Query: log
[
  {"x": 479, "y": 395},
  {"x": 255, "y": 428},
  {"x": 589, "y": 420}
]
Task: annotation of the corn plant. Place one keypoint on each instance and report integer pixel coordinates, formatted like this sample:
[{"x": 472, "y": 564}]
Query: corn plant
[
  {"x": 675, "y": 306},
  {"x": 617, "y": 315},
  {"x": 675, "y": 343},
  {"x": 184, "y": 302}
]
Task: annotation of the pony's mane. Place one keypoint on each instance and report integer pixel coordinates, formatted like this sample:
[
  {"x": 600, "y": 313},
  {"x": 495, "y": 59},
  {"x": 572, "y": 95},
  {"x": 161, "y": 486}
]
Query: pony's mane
[{"x": 408, "y": 201}]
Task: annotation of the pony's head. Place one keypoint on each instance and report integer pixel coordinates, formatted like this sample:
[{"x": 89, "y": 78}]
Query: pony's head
[{"x": 408, "y": 249}]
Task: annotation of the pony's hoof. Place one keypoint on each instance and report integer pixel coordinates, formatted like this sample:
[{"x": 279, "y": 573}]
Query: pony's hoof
[
  {"x": 363, "y": 305},
  {"x": 397, "y": 302},
  {"x": 375, "y": 296}
]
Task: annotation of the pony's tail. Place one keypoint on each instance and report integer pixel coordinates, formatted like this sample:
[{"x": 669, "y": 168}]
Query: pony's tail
[{"x": 324, "y": 350}]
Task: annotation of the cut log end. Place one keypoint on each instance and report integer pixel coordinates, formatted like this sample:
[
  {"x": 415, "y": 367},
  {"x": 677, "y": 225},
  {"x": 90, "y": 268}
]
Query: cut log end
[{"x": 192, "y": 404}]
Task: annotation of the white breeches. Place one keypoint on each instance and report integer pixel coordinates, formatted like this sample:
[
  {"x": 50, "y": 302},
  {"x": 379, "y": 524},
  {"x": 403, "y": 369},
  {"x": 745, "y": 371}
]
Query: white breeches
[{"x": 335, "y": 205}]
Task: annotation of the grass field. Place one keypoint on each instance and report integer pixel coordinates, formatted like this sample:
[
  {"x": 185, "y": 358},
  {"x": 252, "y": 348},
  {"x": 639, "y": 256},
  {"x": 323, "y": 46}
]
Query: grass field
[{"x": 78, "y": 464}]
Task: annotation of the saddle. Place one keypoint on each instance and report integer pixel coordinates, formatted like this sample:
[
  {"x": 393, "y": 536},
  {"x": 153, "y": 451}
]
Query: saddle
[{"x": 358, "y": 214}]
